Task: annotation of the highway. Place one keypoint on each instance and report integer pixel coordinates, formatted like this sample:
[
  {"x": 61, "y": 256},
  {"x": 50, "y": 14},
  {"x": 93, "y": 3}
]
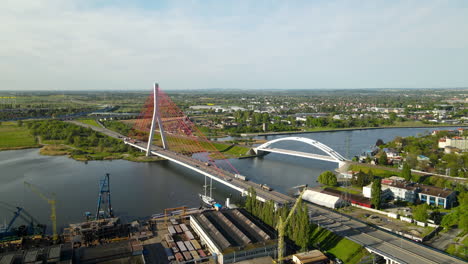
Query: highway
[{"x": 383, "y": 243}]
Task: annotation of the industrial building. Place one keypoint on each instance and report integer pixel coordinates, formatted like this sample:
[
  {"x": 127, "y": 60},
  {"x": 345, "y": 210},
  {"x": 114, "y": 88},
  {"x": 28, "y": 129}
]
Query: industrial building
[{"x": 234, "y": 235}]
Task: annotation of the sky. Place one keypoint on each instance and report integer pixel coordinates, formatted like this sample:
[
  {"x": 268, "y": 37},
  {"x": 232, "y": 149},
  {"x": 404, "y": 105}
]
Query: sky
[{"x": 258, "y": 44}]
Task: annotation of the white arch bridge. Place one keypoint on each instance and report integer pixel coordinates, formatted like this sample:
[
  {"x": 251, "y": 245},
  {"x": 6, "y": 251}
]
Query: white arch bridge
[{"x": 331, "y": 156}]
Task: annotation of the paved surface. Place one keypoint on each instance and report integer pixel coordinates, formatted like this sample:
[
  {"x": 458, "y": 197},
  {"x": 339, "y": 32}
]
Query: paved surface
[
  {"x": 443, "y": 240},
  {"x": 384, "y": 243},
  {"x": 155, "y": 254}
]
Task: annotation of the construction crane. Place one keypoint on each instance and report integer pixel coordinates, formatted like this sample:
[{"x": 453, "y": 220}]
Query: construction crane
[
  {"x": 281, "y": 226},
  {"x": 51, "y": 201},
  {"x": 10, "y": 224},
  {"x": 104, "y": 201},
  {"x": 33, "y": 226}
]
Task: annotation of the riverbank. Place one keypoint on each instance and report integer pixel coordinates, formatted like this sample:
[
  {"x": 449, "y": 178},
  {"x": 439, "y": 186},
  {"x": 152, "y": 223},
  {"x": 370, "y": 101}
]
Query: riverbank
[
  {"x": 319, "y": 130},
  {"x": 20, "y": 135},
  {"x": 14, "y": 136},
  {"x": 71, "y": 152}
]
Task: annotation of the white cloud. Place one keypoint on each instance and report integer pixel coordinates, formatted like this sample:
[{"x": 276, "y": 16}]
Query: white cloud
[{"x": 69, "y": 45}]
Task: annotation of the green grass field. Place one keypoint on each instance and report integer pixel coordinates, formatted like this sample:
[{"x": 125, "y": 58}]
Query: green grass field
[
  {"x": 375, "y": 171},
  {"x": 347, "y": 190},
  {"x": 14, "y": 137},
  {"x": 91, "y": 122},
  {"x": 342, "y": 248}
]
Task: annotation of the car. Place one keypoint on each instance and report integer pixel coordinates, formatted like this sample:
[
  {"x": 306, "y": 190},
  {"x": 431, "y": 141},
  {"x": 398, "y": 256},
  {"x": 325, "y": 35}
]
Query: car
[{"x": 338, "y": 261}]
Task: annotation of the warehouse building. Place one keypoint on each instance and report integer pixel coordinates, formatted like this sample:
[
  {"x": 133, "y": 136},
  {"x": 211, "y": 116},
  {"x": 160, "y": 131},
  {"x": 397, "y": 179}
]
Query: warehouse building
[
  {"x": 324, "y": 199},
  {"x": 234, "y": 235}
]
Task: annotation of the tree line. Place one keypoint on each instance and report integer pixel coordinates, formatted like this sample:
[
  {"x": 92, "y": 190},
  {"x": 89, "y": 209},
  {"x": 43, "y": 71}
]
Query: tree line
[
  {"x": 76, "y": 136},
  {"x": 297, "y": 230}
]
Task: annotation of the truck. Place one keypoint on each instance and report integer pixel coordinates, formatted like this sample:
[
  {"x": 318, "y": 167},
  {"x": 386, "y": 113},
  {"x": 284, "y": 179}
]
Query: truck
[
  {"x": 266, "y": 187},
  {"x": 240, "y": 177}
]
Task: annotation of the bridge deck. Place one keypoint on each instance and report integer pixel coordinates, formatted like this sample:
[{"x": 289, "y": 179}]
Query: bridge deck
[
  {"x": 390, "y": 245},
  {"x": 298, "y": 154}
]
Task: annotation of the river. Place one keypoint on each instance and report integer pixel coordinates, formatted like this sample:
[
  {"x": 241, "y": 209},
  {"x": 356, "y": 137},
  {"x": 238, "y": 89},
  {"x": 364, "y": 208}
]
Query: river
[{"x": 142, "y": 189}]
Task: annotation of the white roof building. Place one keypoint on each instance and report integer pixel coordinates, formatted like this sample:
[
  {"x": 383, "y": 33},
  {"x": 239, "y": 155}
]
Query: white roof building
[{"x": 323, "y": 199}]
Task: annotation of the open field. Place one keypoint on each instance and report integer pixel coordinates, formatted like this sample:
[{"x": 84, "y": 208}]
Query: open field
[
  {"x": 14, "y": 137},
  {"x": 346, "y": 190},
  {"x": 375, "y": 171}
]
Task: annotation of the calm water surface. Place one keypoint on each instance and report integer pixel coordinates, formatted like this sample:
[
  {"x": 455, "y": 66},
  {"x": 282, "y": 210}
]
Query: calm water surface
[{"x": 142, "y": 189}]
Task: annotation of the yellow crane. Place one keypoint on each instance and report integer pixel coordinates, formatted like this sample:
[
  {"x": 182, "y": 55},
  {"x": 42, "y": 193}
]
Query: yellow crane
[
  {"x": 51, "y": 201},
  {"x": 281, "y": 226}
]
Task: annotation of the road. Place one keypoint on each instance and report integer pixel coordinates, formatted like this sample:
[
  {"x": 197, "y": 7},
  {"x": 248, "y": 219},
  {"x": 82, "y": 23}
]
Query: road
[{"x": 399, "y": 249}]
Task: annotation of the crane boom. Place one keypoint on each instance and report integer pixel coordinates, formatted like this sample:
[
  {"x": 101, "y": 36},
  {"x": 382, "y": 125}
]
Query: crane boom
[
  {"x": 16, "y": 214},
  {"x": 282, "y": 226},
  {"x": 52, "y": 202}
]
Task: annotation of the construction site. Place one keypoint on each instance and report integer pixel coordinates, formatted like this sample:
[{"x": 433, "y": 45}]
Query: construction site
[{"x": 177, "y": 235}]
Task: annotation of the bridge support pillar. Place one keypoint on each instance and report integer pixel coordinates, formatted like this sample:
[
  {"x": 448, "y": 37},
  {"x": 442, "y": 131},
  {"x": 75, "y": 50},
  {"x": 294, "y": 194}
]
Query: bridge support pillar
[
  {"x": 256, "y": 152},
  {"x": 156, "y": 117}
]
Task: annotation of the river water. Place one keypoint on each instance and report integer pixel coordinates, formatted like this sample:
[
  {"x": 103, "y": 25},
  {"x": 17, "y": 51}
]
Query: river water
[{"x": 142, "y": 189}]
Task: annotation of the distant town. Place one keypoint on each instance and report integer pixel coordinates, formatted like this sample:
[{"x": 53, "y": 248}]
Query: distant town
[{"x": 403, "y": 200}]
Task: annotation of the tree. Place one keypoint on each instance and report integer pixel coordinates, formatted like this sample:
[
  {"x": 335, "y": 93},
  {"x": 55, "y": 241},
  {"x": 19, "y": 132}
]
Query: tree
[
  {"x": 436, "y": 216},
  {"x": 376, "y": 193},
  {"x": 328, "y": 178},
  {"x": 420, "y": 212},
  {"x": 20, "y": 123},
  {"x": 406, "y": 172},
  {"x": 383, "y": 159},
  {"x": 362, "y": 179},
  {"x": 251, "y": 200},
  {"x": 379, "y": 142}
]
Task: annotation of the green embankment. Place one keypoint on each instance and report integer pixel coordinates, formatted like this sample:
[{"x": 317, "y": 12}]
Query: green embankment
[
  {"x": 13, "y": 136},
  {"x": 91, "y": 122},
  {"x": 379, "y": 172},
  {"x": 459, "y": 249},
  {"x": 342, "y": 248}
]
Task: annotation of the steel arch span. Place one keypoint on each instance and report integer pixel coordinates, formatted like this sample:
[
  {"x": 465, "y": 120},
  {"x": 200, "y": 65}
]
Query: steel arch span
[{"x": 332, "y": 155}]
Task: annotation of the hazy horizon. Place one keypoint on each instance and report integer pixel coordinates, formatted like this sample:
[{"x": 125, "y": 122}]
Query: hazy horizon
[{"x": 86, "y": 45}]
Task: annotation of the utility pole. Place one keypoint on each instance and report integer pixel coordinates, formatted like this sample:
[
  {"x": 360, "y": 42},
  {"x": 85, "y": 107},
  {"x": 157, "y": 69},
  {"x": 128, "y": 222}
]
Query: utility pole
[{"x": 156, "y": 118}]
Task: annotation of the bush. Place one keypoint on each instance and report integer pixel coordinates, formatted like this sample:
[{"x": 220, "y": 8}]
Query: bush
[{"x": 328, "y": 178}]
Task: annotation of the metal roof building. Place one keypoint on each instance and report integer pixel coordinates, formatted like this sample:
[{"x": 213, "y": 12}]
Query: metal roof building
[
  {"x": 234, "y": 235},
  {"x": 323, "y": 199}
]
